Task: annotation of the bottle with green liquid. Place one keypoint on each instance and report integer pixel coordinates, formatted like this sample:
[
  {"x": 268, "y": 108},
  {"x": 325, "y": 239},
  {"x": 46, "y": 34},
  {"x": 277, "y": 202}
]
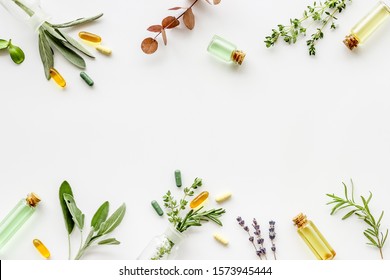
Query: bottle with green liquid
[{"x": 17, "y": 217}]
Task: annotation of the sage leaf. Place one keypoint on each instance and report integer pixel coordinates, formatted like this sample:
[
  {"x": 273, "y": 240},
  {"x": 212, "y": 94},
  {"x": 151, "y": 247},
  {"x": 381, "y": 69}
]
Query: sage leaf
[
  {"x": 48, "y": 29},
  {"x": 74, "y": 43},
  {"x": 77, "y": 215},
  {"x": 66, "y": 189},
  {"x": 77, "y": 22},
  {"x": 113, "y": 221},
  {"x": 3, "y": 44},
  {"x": 109, "y": 241},
  {"x": 69, "y": 54},
  {"x": 46, "y": 54},
  {"x": 100, "y": 215},
  {"x": 16, "y": 53}
]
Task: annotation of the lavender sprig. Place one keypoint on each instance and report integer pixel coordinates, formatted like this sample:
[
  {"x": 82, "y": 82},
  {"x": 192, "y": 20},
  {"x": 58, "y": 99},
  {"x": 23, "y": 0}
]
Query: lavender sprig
[
  {"x": 272, "y": 236},
  {"x": 260, "y": 241},
  {"x": 241, "y": 222}
]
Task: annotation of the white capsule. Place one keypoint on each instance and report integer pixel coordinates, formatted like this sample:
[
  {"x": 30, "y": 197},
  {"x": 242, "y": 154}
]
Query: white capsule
[
  {"x": 104, "y": 50},
  {"x": 221, "y": 239},
  {"x": 223, "y": 197}
]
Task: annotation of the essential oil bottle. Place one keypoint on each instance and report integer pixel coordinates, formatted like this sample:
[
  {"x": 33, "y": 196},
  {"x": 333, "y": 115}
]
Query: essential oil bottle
[
  {"x": 367, "y": 25},
  {"x": 313, "y": 238},
  {"x": 17, "y": 217},
  {"x": 225, "y": 50}
]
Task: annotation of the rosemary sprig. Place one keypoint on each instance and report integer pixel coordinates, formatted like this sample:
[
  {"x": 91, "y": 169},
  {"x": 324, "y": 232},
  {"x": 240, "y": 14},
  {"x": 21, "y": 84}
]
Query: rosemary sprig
[
  {"x": 50, "y": 37},
  {"x": 323, "y": 13},
  {"x": 373, "y": 233}
]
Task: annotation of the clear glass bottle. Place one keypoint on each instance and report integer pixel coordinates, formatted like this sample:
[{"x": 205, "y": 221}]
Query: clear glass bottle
[
  {"x": 225, "y": 50},
  {"x": 164, "y": 246},
  {"x": 17, "y": 217},
  {"x": 313, "y": 238},
  {"x": 367, "y": 25},
  {"x": 28, "y": 11}
]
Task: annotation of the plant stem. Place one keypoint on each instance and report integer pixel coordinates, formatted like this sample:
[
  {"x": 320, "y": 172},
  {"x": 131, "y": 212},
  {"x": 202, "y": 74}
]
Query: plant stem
[
  {"x": 182, "y": 14},
  {"x": 69, "y": 247},
  {"x": 24, "y": 8}
]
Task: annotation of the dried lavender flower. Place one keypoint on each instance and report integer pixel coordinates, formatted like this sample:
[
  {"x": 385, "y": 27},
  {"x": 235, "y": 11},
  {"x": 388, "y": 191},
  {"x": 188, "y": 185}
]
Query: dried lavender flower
[{"x": 272, "y": 235}]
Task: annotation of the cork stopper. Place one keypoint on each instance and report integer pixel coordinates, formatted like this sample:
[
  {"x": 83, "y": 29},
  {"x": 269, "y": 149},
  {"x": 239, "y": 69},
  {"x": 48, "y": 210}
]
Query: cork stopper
[
  {"x": 300, "y": 220},
  {"x": 351, "y": 41},
  {"x": 33, "y": 199},
  {"x": 238, "y": 56}
]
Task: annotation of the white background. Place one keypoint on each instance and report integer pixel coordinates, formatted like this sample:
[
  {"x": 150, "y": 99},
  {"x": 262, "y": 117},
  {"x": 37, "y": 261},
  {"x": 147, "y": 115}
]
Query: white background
[{"x": 280, "y": 131}]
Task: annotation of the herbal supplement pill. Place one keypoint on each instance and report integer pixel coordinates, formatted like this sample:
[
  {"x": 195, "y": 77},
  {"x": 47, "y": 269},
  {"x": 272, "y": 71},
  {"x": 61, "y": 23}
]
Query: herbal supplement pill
[
  {"x": 86, "y": 78},
  {"x": 221, "y": 239},
  {"x": 104, "y": 50},
  {"x": 57, "y": 77},
  {"x": 41, "y": 248},
  {"x": 178, "y": 178},
  {"x": 223, "y": 197},
  {"x": 157, "y": 207},
  {"x": 90, "y": 37},
  {"x": 199, "y": 199}
]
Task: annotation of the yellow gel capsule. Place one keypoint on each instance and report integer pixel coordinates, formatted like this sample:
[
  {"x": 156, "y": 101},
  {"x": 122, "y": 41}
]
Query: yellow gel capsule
[
  {"x": 41, "y": 248},
  {"x": 223, "y": 197},
  {"x": 57, "y": 77},
  {"x": 104, "y": 50},
  {"x": 90, "y": 37},
  {"x": 199, "y": 199},
  {"x": 221, "y": 239}
]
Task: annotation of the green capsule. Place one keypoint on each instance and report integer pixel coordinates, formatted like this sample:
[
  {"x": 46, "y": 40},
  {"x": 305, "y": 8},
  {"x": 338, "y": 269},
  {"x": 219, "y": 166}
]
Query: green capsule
[
  {"x": 86, "y": 78},
  {"x": 157, "y": 207},
  {"x": 178, "y": 178}
]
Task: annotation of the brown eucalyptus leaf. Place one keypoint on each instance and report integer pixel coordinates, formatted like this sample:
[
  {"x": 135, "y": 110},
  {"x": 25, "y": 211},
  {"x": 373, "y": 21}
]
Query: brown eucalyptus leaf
[
  {"x": 155, "y": 28},
  {"x": 164, "y": 35},
  {"x": 216, "y": 2},
  {"x": 175, "y": 8},
  {"x": 170, "y": 22},
  {"x": 208, "y": 1},
  {"x": 149, "y": 45},
  {"x": 189, "y": 19}
]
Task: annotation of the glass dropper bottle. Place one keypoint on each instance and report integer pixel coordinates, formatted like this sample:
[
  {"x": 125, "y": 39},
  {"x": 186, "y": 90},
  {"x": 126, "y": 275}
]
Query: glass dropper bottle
[
  {"x": 367, "y": 25},
  {"x": 17, "y": 217}
]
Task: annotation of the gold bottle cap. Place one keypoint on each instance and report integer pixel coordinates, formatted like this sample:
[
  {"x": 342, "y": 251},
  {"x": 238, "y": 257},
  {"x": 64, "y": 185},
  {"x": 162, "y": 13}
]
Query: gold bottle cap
[
  {"x": 33, "y": 199},
  {"x": 351, "y": 41},
  {"x": 300, "y": 220},
  {"x": 238, "y": 57}
]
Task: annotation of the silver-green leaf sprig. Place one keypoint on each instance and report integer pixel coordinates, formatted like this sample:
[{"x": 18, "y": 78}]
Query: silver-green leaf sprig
[
  {"x": 16, "y": 53},
  {"x": 373, "y": 233},
  {"x": 101, "y": 223},
  {"x": 52, "y": 37}
]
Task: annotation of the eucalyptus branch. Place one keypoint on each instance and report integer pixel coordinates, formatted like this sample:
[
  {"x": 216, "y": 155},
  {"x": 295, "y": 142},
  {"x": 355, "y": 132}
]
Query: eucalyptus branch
[
  {"x": 373, "y": 233},
  {"x": 323, "y": 13}
]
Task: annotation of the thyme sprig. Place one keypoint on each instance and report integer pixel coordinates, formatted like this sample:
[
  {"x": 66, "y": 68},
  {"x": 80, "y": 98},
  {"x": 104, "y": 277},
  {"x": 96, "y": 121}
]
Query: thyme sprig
[
  {"x": 51, "y": 37},
  {"x": 193, "y": 217},
  {"x": 373, "y": 233},
  {"x": 101, "y": 224},
  {"x": 323, "y": 13}
]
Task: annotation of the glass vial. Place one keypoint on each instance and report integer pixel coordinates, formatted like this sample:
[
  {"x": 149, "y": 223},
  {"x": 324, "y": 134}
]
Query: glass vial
[
  {"x": 313, "y": 238},
  {"x": 367, "y": 25},
  {"x": 17, "y": 217},
  {"x": 225, "y": 50},
  {"x": 164, "y": 246}
]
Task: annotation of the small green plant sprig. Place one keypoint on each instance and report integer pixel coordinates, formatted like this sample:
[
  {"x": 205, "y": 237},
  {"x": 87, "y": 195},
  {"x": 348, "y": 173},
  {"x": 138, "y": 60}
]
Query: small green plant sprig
[
  {"x": 16, "y": 53},
  {"x": 323, "y": 13},
  {"x": 373, "y": 233},
  {"x": 51, "y": 37},
  {"x": 193, "y": 217},
  {"x": 101, "y": 224}
]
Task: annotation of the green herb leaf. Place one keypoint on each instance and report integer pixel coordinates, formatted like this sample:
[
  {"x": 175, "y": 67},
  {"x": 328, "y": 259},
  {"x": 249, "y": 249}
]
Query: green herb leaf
[
  {"x": 100, "y": 215},
  {"x": 113, "y": 221},
  {"x": 69, "y": 54},
  {"x": 16, "y": 53},
  {"x": 77, "y": 216},
  {"x": 3, "y": 44},
  {"x": 77, "y": 21},
  {"x": 109, "y": 241},
  {"x": 66, "y": 189},
  {"x": 46, "y": 54},
  {"x": 72, "y": 42}
]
